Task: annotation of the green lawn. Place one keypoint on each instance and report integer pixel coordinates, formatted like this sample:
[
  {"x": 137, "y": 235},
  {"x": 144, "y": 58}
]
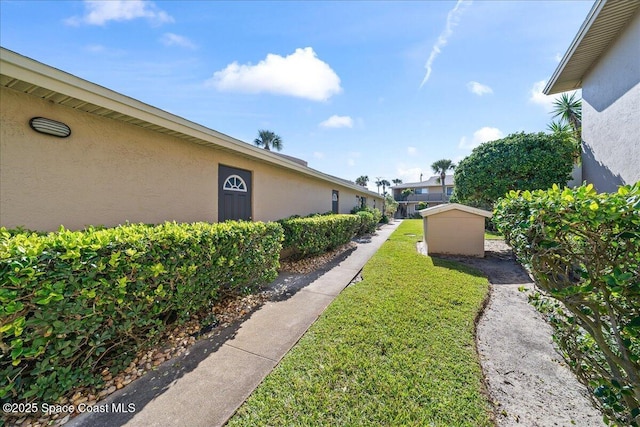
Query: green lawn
[
  {"x": 396, "y": 349},
  {"x": 491, "y": 235}
]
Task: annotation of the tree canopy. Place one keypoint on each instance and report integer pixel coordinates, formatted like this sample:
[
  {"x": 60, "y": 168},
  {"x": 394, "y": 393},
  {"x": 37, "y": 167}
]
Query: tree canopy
[
  {"x": 568, "y": 110},
  {"x": 441, "y": 167},
  {"x": 521, "y": 161},
  {"x": 268, "y": 140},
  {"x": 362, "y": 180}
]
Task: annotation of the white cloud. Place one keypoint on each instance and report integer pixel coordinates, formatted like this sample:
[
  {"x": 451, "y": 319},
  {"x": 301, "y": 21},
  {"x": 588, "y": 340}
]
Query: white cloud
[
  {"x": 99, "y": 12},
  {"x": 171, "y": 39},
  {"x": 318, "y": 155},
  {"x": 352, "y": 156},
  {"x": 558, "y": 57},
  {"x": 484, "y": 134},
  {"x": 536, "y": 95},
  {"x": 412, "y": 151},
  {"x": 96, "y": 48},
  {"x": 478, "y": 88},
  {"x": 300, "y": 74},
  {"x": 337, "y": 122},
  {"x": 453, "y": 17}
]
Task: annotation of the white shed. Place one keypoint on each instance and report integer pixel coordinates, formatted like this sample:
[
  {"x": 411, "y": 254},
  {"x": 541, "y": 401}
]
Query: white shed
[{"x": 454, "y": 229}]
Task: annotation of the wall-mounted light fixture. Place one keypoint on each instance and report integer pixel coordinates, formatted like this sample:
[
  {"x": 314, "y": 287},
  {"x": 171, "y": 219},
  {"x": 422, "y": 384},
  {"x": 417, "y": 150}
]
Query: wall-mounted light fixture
[{"x": 50, "y": 127}]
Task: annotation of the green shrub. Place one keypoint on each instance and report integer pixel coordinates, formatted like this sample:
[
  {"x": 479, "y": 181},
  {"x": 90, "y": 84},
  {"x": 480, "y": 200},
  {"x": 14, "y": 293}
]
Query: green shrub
[
  {"x": 520, "y": 161},
  {"x": 583, "y": 249},
  {"x": 377, "y": 214},
  {"x": 370, "y": 217},
  {"x": 368, "y": 223},
  {"x": 318, "y": 234},
  {"x": 74, "y": 303}
]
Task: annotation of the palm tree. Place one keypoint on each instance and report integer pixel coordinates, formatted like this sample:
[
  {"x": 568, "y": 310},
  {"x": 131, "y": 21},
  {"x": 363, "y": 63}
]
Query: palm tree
[
  {"x": 560, "y": 127},
  {"x": 362, "y": 180},
  {"x": 396, "y": 181},
  {"x": 268, "y": 140},
  {"x": 569, "y": 109},
  {"x": 406, "y": 193},
  {"x": 441, "y": 167},
  {"x": 378, "y": 183},
  {"x": 385, "y": 184}
]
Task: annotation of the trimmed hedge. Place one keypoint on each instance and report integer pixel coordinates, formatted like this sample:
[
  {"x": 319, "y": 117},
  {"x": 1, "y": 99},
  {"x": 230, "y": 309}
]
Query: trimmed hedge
[
  {"x": 367, "y": 223},
  {"x": 583, "y": 249},
  {"x": 74, "y": 303},
  {"x": 318, "y": 234},
  {"x": 369, "y": 218}
]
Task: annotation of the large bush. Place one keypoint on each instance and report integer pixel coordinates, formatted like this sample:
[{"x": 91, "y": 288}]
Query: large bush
[
  {"x": 318, "y": 234},
  {"x": 583, "y": 249},
  {"x": 74, "y": 303},
  {"x": 518, "y": 162}
]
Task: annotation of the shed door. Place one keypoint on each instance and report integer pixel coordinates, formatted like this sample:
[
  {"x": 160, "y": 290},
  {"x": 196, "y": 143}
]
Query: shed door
[
  {"x": 334, "y": 201},
  {"x": 234, "y": 194}
]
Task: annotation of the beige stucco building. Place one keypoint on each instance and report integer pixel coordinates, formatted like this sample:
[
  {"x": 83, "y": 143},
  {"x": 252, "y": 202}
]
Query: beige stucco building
[
  {"x": 128, "y": 161},
  {"x": 454, "y": 229},
  {"x": 428, "y": 192}
]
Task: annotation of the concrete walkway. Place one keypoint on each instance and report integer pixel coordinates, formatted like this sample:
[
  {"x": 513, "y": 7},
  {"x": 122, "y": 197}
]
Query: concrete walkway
[
  {"x": 528, "y": 381},
  {"x": 208, "y": 384}
]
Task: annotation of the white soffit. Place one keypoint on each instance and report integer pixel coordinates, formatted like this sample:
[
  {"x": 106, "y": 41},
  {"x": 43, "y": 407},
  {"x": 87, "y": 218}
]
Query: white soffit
[{"x": 604, "y": 23}]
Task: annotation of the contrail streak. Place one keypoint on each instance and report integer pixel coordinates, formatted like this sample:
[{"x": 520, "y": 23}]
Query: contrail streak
[{"x": 453, "y": 17}]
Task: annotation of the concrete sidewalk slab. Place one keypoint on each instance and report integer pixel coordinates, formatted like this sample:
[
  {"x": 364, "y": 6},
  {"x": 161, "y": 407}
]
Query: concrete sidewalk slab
[
  {"x": 205, "y": 388},
  {"x": 279, "y": 325},
  {"x": 333, "y": 281},
  {"x": 207, "y": 396}
]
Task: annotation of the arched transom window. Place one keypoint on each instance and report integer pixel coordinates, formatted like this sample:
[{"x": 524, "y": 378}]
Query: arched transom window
[{"x": 235, "y": 183}]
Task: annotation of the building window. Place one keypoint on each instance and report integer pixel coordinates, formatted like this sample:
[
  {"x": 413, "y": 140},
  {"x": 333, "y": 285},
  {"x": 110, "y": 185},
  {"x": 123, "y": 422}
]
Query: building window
[
  {"x": 449, "y": 191},
  {"x": 235, "y": 183}
]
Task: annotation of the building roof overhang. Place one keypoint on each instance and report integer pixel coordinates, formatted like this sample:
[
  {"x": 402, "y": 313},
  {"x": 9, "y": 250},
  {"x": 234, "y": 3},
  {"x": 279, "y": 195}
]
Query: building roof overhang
[
  {"x": 603, "y": 25},
  {"x": 26, "y": 75}
]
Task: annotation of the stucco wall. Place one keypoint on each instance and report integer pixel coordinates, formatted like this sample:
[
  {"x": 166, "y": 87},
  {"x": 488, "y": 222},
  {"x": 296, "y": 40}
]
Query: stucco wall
[
  {"x": 454, "y": 232},
  {"x": 611, "y": 114},
  {"x": 108, "y": 172}
]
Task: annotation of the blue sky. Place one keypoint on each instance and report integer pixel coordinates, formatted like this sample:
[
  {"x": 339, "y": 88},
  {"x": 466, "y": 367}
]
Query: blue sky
[{"x": 377, "y": 88}]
